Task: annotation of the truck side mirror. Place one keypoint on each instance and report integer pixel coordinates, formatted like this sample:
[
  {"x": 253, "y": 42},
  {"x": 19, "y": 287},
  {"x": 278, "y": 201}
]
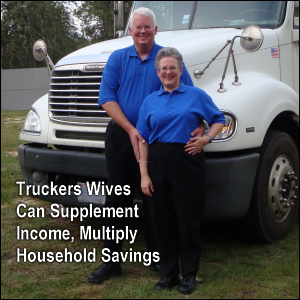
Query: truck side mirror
[
  {"x": 251, "y": 38},
  {"x": 40, "y": 53},
  {"x": 39, "y": 50}
]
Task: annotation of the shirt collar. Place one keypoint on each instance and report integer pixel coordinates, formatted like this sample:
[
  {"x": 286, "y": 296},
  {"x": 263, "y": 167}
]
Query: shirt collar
[
  {"x": 151, "y": 55},
  {"x": 181, "y": 89}
]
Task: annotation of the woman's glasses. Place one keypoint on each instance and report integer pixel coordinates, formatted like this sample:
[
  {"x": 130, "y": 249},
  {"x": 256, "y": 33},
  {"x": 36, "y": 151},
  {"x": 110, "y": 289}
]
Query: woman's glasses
[{"x": 173, "y": 69}]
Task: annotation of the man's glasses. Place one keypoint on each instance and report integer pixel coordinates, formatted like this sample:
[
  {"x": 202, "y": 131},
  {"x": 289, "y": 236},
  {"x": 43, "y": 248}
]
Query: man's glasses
[
  {"x": 139, "y": 28},
  {"x": 164, "y": 70}
]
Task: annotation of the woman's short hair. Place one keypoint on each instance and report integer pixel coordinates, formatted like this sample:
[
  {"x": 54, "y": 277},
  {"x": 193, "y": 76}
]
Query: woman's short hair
[
  {"x": 167, "y": 52},
  {"x": 143, "y": 11}
]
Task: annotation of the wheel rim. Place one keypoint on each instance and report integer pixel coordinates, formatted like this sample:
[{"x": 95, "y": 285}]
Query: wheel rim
[{"x": 281, "y": 190}]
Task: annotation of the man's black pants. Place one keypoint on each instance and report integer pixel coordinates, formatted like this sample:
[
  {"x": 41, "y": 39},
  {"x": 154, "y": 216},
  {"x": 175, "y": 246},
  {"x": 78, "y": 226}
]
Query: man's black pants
[
  {"x": 177, "y": 206},
  {"x": 123, "y": 170}
]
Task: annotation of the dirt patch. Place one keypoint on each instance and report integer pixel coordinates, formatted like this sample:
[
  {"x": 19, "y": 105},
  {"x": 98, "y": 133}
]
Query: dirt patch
[
  {"x": 9, "y": 261},
  {"x": 13, "y": 120},
  {"x": 245, "y": 295},
  {"x": 28, "y": 200},
  {"x": 12, "y": 153}
]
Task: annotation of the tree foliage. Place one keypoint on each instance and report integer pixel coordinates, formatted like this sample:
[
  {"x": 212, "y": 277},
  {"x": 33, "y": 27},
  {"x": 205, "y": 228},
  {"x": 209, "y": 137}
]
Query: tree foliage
[
  {"x": 24, "y": 22},
  {"x": 97, "y": 19}
]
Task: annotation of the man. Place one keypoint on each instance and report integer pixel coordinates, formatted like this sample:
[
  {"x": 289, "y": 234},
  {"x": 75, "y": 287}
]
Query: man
[{"x": 129, "y": 76}]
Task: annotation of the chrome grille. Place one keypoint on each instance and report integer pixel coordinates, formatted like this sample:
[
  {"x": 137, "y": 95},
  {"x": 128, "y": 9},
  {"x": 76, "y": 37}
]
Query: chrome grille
[
  {"x": 73, "y": 97},
  {"x": 73, "y": 135}
]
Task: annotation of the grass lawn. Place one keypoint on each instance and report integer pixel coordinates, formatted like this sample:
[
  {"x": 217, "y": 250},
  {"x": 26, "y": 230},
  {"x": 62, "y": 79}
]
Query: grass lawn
[{"x": 231, "y": 267}]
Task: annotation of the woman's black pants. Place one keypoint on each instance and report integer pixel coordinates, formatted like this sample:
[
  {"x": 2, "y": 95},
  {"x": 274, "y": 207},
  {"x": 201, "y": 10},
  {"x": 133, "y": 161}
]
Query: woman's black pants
[{"x": 177, "y": 206}]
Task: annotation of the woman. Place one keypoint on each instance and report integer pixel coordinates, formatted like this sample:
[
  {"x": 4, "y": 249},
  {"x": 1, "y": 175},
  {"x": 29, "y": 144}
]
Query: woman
[{"x": 176, "y": 178}]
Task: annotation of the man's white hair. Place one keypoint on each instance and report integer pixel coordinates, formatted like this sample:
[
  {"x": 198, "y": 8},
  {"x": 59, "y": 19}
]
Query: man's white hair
[{"x": 143, "y": 11}]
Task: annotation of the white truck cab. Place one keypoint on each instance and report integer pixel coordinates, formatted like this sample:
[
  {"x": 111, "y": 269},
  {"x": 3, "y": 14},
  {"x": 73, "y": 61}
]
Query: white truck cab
[{"x": 245, "y": 55}]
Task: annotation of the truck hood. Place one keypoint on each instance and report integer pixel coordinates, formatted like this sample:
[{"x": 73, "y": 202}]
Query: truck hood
[{"x": 206, "y": 42}]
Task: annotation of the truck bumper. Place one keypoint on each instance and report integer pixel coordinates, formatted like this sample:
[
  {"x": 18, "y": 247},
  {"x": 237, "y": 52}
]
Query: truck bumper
[{"x": 229, "y": 180}]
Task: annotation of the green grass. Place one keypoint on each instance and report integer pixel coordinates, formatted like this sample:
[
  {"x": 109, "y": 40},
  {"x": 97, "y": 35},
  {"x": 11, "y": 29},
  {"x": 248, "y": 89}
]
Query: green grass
[
  {"x": 231, "y": 267},
  {"x": 11, "y": 125}
]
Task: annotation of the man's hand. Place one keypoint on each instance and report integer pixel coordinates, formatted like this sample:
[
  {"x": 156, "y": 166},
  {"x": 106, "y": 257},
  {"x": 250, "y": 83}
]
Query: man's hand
[
  {"x": 115, "y": 112},
  {"x": 199, "y": 131},
  {"x": 135, "y": 137}
]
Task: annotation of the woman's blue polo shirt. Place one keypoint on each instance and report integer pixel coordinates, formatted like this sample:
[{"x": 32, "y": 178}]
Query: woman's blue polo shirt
[
  {"x": 171, "y": 117},
  {"x": 128, "y": 80}
]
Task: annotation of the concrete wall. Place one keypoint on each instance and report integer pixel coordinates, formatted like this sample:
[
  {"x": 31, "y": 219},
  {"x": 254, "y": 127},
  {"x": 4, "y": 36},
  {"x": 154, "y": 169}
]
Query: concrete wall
[{"x": 20, "y": 88}]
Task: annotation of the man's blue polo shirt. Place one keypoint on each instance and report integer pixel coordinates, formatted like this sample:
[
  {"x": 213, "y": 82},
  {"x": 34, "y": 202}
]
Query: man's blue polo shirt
[
  {"x": 171, "y": 117},
  {"x": 128, "y": 80}
]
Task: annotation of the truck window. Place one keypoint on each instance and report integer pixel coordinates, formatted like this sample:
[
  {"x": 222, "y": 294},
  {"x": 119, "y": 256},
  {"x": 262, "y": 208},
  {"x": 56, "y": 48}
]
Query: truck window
[
  {"x": 296, "y": 15},
  {"x": 239, "y": 14},
  {"x": 170, "y": 15},
  {"x": 177, "y": 15}
]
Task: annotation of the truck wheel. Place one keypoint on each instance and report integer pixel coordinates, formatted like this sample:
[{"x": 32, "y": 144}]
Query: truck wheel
[{"x": 274, "y": 205}]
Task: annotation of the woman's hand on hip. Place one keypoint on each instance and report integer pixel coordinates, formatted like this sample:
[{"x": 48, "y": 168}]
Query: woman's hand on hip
[{"x": 196, "y": 144}]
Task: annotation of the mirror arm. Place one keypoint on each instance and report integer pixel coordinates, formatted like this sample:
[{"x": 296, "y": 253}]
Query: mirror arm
[
  {"x": 222, "y": 89},
  {"x": 49, "y": 63},
  {"x": 236, "y": 78},
  {"x": 247, "y": 35},
  {"x": 198, "y": 73},
  {"x": 230, "y": 53},
  {"x": 115, "y": 12}
]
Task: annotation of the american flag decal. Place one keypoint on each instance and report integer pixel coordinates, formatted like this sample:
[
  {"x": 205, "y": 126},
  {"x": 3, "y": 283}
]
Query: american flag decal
[{"x": 275, "y": 52}]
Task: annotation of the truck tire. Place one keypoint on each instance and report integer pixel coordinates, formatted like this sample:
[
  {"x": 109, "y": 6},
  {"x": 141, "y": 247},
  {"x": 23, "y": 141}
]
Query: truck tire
[{"x": 274, "y": 204}]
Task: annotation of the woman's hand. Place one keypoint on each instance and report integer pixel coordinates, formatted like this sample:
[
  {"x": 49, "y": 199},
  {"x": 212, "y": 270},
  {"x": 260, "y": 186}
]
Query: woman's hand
[
  {"x": 196, "y": 144},
  {"x": 146, "y": 185}
]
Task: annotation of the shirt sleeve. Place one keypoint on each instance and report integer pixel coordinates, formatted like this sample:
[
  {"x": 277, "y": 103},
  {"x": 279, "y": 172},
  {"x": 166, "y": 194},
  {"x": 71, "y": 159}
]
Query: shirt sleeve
[
  {"x": 212, "y": 114},
  {"x": 185, "y": 77},
  {"x": 143, "y": 124},
  {"x": 110, "y": 81}
]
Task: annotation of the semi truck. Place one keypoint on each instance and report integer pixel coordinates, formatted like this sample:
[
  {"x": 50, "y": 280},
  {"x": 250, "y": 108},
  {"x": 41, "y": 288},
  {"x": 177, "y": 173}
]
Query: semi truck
[{"x": 244, "y": 54}]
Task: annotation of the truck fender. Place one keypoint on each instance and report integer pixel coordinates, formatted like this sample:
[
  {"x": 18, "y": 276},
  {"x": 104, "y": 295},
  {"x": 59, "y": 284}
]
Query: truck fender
[{"x": 255, "y": 110}]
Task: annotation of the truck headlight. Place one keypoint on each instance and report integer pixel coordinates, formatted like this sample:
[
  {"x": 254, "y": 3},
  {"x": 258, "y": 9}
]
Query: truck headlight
[
  {"x": 32, "y": 124},
  {"x": 229, "y": 129}
]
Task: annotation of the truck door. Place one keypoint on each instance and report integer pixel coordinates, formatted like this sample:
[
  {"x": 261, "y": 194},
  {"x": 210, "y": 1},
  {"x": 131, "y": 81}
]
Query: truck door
[
  {"x": 288, "y": 40},
  {"x": 295, "y": 41}
]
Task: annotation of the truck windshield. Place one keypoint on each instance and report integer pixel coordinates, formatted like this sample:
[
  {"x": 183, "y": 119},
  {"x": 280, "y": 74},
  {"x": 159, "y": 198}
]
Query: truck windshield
[{"x": 177, "y": 15}]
